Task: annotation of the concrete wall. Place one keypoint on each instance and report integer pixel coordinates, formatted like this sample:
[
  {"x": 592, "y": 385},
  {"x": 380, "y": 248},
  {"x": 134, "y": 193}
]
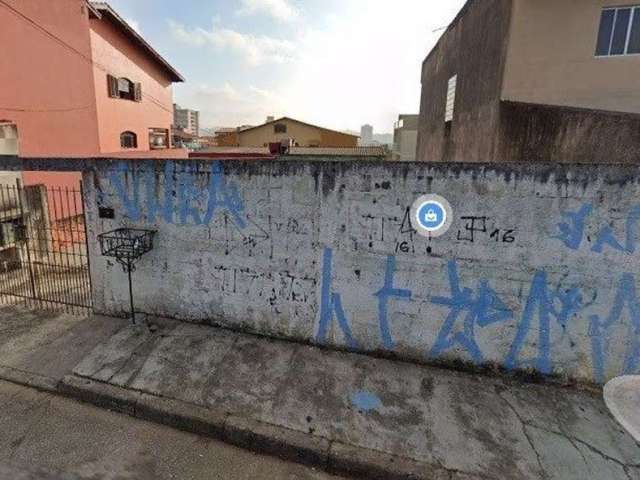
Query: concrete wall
[
  {"x": 534, "y": 133},
  {"x": 9, "y": 178},
  {"x": 482, "y": 26},
  {"x": 539, "y": 269},
  {"x": 303, "y": 134},
  {"x": 551, "y": 58}
]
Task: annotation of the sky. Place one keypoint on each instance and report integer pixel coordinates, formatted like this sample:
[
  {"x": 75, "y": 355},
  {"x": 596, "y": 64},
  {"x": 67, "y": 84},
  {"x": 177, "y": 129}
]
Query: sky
[{"x": 336, "y": 63}]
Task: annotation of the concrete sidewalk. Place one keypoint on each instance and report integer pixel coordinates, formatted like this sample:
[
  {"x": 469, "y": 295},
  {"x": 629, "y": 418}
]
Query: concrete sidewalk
[
  {"x": 39, "y": 348},
  {"x": 347, "y": 412}
]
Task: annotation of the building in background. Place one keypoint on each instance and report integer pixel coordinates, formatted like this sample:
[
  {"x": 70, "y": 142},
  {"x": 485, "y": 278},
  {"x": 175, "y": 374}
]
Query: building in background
[
  {"x": 182, "y": 139},
  {"x": 366, "y": 135},
  {"x": 81, "y": 81},
  {"x": 186, "y": 120},
  {"x": 228, "y": 137},
  {"x": 294, "y": 132},
  {"x": 534, "y": 80},
  {"x": 292, "y": 153},
  {"x": 405, "y": 138}
]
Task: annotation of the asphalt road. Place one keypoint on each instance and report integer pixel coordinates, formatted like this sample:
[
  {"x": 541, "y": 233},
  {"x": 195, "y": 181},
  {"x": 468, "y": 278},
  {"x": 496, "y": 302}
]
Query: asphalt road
[{"x": 43, "y": 431}]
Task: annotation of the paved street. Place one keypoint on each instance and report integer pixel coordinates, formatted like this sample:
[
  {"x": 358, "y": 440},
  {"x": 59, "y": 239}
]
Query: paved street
[{"x": 43, "y": 430}]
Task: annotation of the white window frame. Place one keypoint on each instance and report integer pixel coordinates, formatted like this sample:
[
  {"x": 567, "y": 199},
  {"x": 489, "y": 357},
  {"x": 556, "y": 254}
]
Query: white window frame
[{"x": 635, "y": 10}]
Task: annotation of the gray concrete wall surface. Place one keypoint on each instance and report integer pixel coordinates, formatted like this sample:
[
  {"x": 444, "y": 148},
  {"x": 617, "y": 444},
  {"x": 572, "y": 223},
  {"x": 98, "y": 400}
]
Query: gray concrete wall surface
[
  {"x": 534, "y": 133},
  {"x": 538, "y": 271}
]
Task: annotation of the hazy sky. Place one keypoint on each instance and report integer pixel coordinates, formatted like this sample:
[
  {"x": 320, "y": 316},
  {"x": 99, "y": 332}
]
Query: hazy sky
[{"x": 337, "y": 63}]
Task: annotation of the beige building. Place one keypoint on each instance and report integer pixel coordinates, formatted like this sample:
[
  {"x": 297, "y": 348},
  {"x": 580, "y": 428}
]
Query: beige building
[
  {"x": 301, "y": 134},
  {"x": 405, "y": 138},
  {"x": 536, "y": 80}
]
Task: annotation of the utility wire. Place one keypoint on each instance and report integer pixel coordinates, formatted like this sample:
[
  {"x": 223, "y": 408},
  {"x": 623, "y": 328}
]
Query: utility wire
[{"x": 73, "y": 49}]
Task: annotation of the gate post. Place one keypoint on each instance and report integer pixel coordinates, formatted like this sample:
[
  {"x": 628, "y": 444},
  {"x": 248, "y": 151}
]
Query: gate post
[{"x": 19, "y": 193}]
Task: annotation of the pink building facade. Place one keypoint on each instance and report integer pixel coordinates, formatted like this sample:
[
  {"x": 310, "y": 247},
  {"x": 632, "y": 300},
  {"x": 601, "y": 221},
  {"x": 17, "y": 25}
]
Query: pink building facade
[{"x": 77, "y": 80}]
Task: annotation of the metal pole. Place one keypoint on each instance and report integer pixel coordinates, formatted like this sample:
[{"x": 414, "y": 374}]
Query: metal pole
[
  {"x": 133, "y": 312},
  {"x": 25, "y": 225},
  {"x": 86, "y": 242}
]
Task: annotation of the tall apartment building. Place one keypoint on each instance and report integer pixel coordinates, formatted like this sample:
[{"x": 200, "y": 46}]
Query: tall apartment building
[
  {"x": 186, "y": 120},
  {"x": 534, "y": 80},
  {"x": 366, "y": 135}
]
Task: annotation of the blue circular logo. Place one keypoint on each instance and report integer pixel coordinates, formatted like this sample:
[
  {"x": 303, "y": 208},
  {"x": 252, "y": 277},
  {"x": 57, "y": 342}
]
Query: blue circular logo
[{"x": 431, "y": 215}]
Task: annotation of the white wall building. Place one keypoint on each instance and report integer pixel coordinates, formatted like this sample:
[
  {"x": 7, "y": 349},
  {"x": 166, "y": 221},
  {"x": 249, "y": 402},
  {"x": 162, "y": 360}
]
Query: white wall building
[
  {"x": 366, "y": 135},
  {"x": 405, "y": 138}
]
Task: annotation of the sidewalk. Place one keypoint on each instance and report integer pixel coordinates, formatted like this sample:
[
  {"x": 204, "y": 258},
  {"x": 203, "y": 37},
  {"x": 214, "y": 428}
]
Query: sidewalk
[
  {"x": 352, "y": 413},
  {"x": 356, "y": 412},
  {"x": 39, "y": 348}
]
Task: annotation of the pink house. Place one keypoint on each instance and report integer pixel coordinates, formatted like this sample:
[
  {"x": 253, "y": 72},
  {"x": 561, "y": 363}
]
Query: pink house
[{"x": 77, "y": 80}]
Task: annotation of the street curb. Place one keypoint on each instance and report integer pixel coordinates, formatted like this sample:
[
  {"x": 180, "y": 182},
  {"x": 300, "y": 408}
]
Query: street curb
[
  {"x": 99, "y": 394},
  {"x": 284, "y": 443},
  {"x": 28, "y": 379},
  {"x": 254, "y": 435}
]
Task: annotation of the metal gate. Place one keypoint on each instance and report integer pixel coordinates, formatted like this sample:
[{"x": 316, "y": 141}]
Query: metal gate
[{"x": 43, "y": 248}]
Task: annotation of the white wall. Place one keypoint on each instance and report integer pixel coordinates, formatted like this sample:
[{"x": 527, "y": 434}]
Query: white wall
[{"x": 545, "y": 277}]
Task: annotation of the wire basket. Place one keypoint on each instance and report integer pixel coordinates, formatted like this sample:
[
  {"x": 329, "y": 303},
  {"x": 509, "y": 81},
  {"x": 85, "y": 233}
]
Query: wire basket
[{"x": 126, "y": 245}]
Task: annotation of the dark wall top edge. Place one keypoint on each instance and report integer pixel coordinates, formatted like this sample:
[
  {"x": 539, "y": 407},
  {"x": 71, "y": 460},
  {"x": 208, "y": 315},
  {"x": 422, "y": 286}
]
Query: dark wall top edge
[{"x": 541, "y": 171}]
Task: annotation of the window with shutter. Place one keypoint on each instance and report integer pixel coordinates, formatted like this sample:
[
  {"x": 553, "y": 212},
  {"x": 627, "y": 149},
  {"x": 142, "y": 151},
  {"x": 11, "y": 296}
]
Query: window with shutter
[{"x": 112, "y": 86}]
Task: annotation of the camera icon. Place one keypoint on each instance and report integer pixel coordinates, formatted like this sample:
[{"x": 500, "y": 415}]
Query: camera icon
[{"x": 431, "y": 215}]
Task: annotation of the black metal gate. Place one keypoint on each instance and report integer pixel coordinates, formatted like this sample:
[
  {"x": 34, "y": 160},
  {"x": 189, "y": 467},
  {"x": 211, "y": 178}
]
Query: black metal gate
[{"x": 43, "y": 248}]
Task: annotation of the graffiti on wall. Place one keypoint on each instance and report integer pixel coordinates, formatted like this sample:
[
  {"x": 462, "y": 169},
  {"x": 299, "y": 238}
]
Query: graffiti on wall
[
  {"x": 572, "y": 231},
  {"x": 546, "y": 306},
  {"x": 179, "y": 199},
  {"x": 549, "y": 314},
  {"x": 470, "y": 309}
]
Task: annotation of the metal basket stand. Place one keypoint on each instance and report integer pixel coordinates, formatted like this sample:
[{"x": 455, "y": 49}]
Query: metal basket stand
[{"x": 127, "y": 245}]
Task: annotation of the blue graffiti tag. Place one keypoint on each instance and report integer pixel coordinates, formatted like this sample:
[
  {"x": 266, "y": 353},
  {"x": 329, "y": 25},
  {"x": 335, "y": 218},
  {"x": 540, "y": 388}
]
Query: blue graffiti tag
[
  {"x": 154, "y": 205},
  {"x": 572, "y": 231},
  {"x": 384, "y": 294},
  {"x": 599, "y": 329},
  {"x": 542, "y": 303},
  {"x": 224, "y": 196},
  {"x": 607, "y": 237},
  {"x": 131, "y": 204},
  {"x": 331, "y": 302},
  {"x": 483, "y": 310},
  {"x": 190, "y": 198}
]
